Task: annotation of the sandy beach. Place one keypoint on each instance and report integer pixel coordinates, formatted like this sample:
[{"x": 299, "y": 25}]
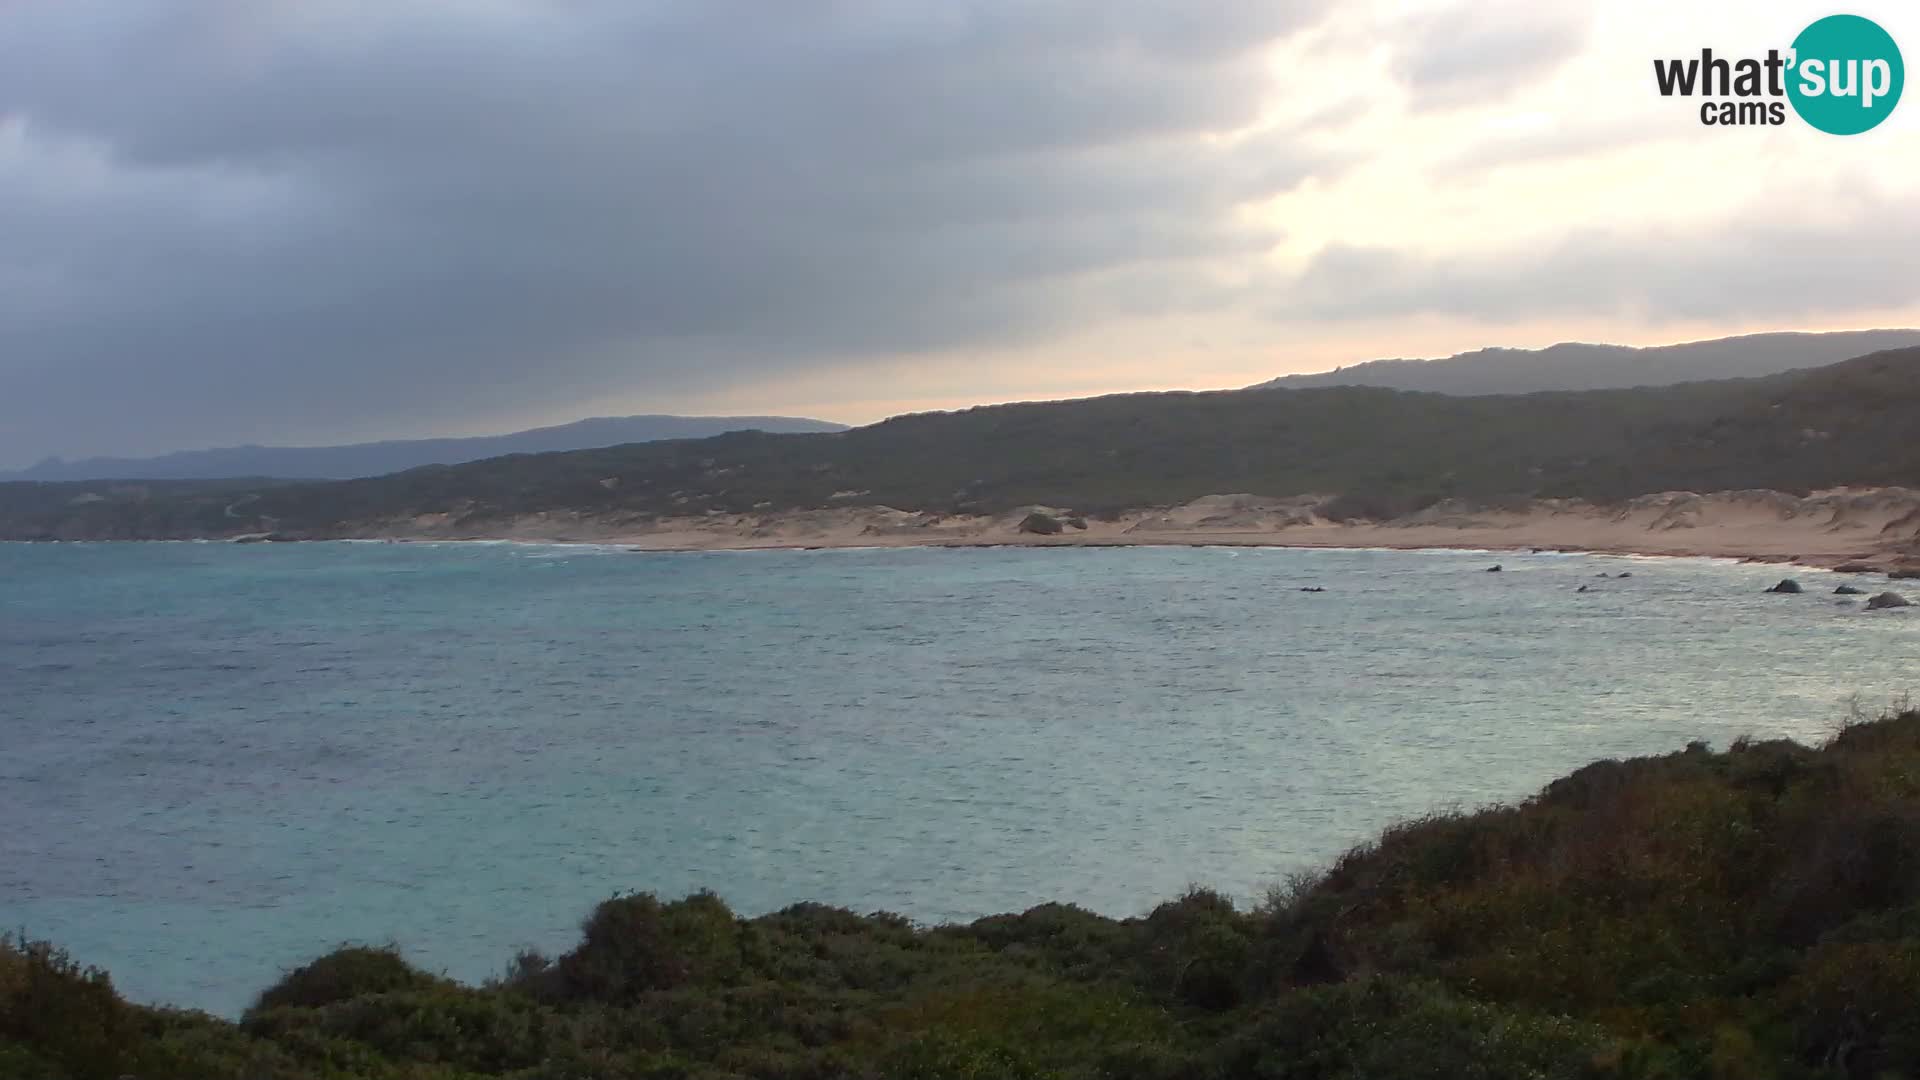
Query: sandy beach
[{"x": 1871, "y": 529}]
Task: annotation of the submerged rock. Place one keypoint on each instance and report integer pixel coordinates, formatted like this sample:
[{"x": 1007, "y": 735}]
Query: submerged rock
[
  {"x": 1848, "y": 590},
  {"x": 1787, "y": 585},
  {"x": 1494, "y": 569},
  {"x": 1888, "y": 600}
]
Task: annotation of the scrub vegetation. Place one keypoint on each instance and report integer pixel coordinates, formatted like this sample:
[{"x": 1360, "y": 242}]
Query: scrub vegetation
[{"x": 1750, "y": 913}]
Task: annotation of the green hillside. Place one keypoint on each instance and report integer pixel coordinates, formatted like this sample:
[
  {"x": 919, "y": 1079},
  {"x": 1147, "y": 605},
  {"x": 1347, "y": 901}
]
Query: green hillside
[{"x": 1850, "y": 423}]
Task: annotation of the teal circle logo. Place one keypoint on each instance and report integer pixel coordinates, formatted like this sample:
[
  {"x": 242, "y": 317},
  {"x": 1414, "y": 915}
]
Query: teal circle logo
[{"x": 1847, "y": 74}]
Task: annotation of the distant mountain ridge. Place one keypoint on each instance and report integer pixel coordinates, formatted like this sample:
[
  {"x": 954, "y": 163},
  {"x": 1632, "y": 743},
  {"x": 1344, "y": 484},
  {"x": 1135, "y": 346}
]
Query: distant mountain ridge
[
  {"x": 358, "y": 460},
  {"x": 1384, "y": 453},
  {"x": 1577, "y": 366}
]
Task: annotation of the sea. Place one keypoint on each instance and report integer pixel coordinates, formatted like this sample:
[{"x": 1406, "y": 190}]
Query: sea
[{"x": 218, "y": 761}]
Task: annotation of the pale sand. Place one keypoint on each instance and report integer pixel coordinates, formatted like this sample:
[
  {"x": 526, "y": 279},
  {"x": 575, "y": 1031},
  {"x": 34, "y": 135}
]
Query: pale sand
[{"x": 1878, "y": 528}]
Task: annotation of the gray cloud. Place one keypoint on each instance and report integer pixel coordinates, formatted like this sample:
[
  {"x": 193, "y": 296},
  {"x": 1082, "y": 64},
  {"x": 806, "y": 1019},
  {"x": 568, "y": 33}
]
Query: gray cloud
[
  {"x": 244, "y": 219},
  {"x": 1479, "y": 51},
  {"x": 1771, "y": 267}
]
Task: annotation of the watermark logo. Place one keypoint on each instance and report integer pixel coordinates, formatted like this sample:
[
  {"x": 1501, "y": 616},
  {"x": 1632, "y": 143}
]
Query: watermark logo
[
  {"x": 1843, "y": 75},
  {"x": 1850, "y": 75}
]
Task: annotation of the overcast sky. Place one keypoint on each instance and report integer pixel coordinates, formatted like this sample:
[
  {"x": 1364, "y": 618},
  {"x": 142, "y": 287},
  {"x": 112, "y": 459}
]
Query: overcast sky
[{"x": 310, "y": 221}]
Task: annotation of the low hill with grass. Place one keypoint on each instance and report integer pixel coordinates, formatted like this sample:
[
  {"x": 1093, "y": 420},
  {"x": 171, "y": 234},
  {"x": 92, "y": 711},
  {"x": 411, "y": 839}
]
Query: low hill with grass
[
  {"x": 1849, "y": 423},
  {"x": 1752, "y": 913},
  {"x": 395, "y": 455},
  {"x": 1580, "y": 366}
]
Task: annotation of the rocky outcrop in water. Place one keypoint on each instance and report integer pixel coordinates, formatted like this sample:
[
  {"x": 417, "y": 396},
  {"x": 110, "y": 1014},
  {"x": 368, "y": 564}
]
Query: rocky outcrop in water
[{"x": 1888, "y": 600}]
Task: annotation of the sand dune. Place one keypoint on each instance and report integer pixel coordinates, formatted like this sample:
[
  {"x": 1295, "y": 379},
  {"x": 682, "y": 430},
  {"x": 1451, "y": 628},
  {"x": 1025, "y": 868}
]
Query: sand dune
[{"x": 1876, "y": 528}]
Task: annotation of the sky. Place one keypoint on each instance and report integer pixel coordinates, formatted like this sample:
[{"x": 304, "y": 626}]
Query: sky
[{"x": 319, "y": 221}]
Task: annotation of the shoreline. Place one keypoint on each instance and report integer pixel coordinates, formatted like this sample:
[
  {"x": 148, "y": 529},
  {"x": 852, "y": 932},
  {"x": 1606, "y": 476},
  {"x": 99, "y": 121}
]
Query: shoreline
[
  {"x": 1870, "y": 530},
  {"x": 1862, "y": 531},
  {"x": 630, "y": 547}
]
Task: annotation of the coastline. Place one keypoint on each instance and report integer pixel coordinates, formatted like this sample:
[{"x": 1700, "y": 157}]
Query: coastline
[{"x": 1868, "y": 531}]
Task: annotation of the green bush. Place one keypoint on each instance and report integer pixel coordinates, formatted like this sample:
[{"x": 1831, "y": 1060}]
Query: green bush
[
  {"x": 943, "y": 1056},
  {"x": 1195, "y": 950},
  {"x": 56, "y": 1011},
  {"x": 1855, "y": 1007},
  {"x": 635, "y": 944},
  {"x": 1062, "y": 938},
  {"x": 348, "y": 972},
  {"x": 477, "y": 1031},
  {"x": 1407, "y": 1030}
]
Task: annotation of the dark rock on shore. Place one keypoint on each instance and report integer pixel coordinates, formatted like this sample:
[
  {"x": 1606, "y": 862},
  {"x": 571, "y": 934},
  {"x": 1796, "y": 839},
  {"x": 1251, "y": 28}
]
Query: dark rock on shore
[{"x": 1041, "y": 524}]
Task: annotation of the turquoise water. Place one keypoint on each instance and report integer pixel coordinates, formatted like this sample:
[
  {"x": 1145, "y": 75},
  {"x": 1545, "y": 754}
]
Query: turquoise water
[{"x": 217, "y": 761}]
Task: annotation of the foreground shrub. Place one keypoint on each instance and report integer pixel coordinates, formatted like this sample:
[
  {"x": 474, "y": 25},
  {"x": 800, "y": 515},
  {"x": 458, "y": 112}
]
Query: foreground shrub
[
  {"x": 348, "y": 972},
  {"x": 60, "y": 1018},
  {"x": 944, "y": 1056},
  {"x": 635, "y": 944},
  {"x": 1855, "y": 1007},
  {"x": 1406, "y": 1030},
  {"x": 1061, "y": 938},
  {"x": 1195, "y": 950}
]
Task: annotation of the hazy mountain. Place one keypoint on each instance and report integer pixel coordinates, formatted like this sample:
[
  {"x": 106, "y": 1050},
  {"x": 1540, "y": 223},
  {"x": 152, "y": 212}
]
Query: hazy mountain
[
  {"x": 1387, "y": 451},
  {"x": 380, "y": 458},
  {"x": 1573, "y": 366}
]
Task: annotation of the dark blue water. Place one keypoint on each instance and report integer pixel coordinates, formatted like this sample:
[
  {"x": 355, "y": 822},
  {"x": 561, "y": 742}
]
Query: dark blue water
[{"x": 218, "y": 760}]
